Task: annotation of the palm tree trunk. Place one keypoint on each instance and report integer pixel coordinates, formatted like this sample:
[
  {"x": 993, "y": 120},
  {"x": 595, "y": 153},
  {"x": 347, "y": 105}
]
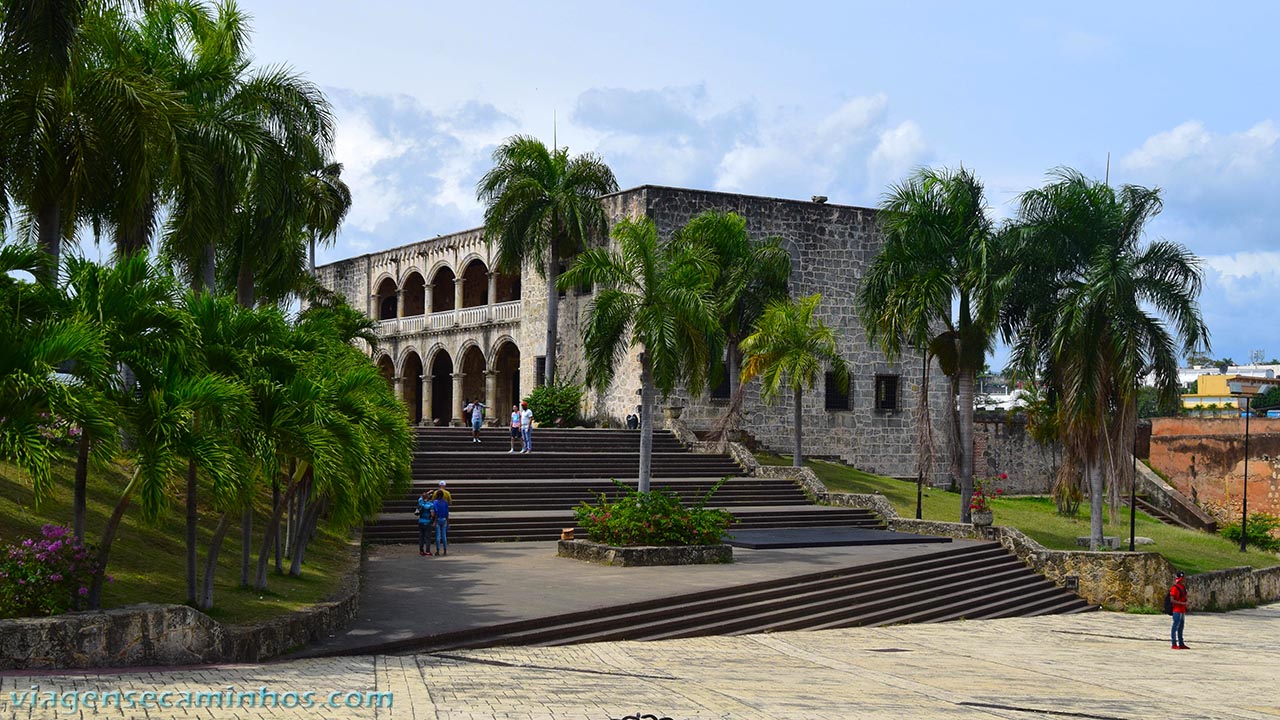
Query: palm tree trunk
[
  {"x": 646, "y": 427},
  {"x": 311, "y": 256},
  {"x": 310, "y": 518},
  {"x": 244, "y": 286},
  {"x": 108, "y": 536},
  {"x": 49, "y": 219},
  {"x": 964, "y": 400},
  {"x": 211, "y": 562},
  {"x": 209, "y": 269},
  {"x": 1093, "y": 466},
  {"x": 553, "y": 314},
  {"x": 80, "y": 497},
  {"x": 246, "y": 541},
  {"x": 797, "y": 458},
  {"x": 192, "y": 571},
  {"x": 272, "y": 536}
]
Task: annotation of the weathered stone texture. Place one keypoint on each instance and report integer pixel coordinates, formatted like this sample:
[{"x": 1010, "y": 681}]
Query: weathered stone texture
[
  {"x": 1005, "y": 446},
  {"x": 644, "y": 555},
  {"x": 1204, "y": 459}
]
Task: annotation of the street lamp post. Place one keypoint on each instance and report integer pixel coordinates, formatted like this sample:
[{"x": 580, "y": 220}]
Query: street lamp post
[{"x": 1239, "y": 388}]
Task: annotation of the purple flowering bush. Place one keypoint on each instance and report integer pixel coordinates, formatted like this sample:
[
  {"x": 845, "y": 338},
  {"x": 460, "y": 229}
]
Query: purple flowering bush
[{"x": 45, "y": 575}]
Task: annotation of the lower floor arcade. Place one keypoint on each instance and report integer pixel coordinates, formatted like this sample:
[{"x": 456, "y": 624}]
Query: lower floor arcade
[{"x": 436, "y": 384}]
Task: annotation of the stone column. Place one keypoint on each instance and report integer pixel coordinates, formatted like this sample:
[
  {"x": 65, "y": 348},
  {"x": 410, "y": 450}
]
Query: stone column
[
  {"x": 457, "y": 299},
  {"x": 375, "y": 312},
  {"x": 399, "y": 383},
  {"x": 455, "y": 413},
  {"x": 426, "y": 300},
  {"x": 399, "y": 302},
  {"x": 425, "y": 394},
  {"x": 491, "y": 394},
  {"x": 493, "y": 292}
]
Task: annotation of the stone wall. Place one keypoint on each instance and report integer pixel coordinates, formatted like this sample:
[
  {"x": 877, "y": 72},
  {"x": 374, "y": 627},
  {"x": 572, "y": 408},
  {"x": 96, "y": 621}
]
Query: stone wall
[
  {"x": 154, "y": 635},
  {"x": 1204, "y": 459},
  {"x": 1005, "y": 446}
]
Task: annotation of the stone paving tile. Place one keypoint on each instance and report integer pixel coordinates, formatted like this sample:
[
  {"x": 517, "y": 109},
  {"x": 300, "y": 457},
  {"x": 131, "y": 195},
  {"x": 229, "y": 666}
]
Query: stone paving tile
[{"x": 1101, "y": 665}]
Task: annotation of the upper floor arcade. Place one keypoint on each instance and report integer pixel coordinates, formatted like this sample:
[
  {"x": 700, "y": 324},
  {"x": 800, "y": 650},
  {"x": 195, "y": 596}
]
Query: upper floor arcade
[{"x": 444, "y": 296}]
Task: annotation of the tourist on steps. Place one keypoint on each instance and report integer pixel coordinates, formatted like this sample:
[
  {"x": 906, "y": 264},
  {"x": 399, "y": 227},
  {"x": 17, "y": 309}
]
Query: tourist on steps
[
  {"x": 474, "y": 411},
  {"x": 1179, "y": 595},
  {"x": 448, "y": 496},
  {"x": 526, "y": 427},
  {"x": 423, "y": 511},
  {"x": 515, "y": 428},
  {"x": 440, "y": 508}
]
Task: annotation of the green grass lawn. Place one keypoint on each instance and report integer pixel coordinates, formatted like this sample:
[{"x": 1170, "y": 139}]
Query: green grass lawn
[
  {"x": 1188, "y": 550},
  {"x": 149, "y": 560}
]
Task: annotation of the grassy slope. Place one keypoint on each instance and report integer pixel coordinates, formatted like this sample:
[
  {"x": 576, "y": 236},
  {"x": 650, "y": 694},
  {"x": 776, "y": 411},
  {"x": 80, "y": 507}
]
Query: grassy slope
[
  {"x": 149, "y": 560},
  {"x": 1188, "y": 550}
]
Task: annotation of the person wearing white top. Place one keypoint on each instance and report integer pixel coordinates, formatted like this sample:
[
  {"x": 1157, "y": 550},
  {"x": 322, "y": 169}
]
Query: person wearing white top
[{"x": 526, "y": 427}]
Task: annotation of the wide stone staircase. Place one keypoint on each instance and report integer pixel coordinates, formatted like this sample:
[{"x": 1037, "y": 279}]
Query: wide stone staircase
[
  {"x": 969, "y": 581},
  {"x": 502, "y": 496}
]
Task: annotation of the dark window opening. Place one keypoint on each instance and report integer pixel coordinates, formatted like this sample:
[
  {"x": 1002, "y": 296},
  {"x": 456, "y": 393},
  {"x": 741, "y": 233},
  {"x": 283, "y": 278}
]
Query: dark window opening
[
  {"x": 886, "y": 392},
  {"x": 540, "y": 371},
  {"x": 837, "y": 398},
  {"x": 721, "y": 390}
]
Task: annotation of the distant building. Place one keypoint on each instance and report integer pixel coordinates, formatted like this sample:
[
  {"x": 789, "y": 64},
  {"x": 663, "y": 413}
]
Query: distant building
[{"x": 1213, "y": 392}]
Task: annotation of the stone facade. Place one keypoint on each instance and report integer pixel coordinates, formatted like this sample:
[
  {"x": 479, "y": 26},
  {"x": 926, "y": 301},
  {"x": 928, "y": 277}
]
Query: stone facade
[
  {"x": 645, "y": 555},
  {"x": 470, "y": 353},
  {"x": 1005, "y": 446}
]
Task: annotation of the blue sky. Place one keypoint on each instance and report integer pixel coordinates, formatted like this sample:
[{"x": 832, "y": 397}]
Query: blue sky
[{"x": 793, "y": 100}]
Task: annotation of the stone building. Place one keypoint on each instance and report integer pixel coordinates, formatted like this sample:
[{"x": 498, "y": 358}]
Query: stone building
[{"x": 453, "y": 329}]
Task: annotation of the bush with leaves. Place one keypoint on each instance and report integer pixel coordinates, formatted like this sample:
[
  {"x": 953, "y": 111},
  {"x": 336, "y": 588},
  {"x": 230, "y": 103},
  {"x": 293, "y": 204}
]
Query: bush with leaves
[
  {"x": 1261, "y": 532},
  {"x": 45, "y": 575},
  {"x": 653, "y": 518},
  {"x": 557, "y": 404}
]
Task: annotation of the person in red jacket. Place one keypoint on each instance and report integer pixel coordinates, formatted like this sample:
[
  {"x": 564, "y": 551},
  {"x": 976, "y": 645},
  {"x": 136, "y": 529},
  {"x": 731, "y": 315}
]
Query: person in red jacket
[{"x": 1178, "y": 593}]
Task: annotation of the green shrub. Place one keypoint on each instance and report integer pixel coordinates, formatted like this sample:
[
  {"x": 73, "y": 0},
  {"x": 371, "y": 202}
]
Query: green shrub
[
  {"x": 1261, "y": 527},
  {"x": 558, "y": 404},
  {"x": 653, "y": 518}
]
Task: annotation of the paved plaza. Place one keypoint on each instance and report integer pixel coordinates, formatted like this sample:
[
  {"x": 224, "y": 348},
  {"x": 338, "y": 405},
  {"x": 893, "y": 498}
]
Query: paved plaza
[{"x": 1096, "y": 665}]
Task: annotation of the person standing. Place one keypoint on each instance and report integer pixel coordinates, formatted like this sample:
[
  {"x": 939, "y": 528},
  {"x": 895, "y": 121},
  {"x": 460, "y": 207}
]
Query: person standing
[
  {"x": 515, "y": 428},
  {"x": 526, "y": 427},
  {"x": 1178, "y": 593},
  {"x": 440, "y": 508},
  {"x": 476, "y": 410},
  {"x": 423, "y": 512}
]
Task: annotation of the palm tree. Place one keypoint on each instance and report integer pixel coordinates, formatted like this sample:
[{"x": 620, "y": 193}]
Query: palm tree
[
  {"x": 543, "y": 206},
  {"x": 328, "y": 201},
  {"x": 751, "y": 274},
  {"x": 659, "y": 296},
  {"x": 788, "y": 349},
  {"x": 77, "y": 117},
  {"x": 1092, "y": 312},
  {"x": 36, "y": 337},
  {"x": 935, "y": 284}
]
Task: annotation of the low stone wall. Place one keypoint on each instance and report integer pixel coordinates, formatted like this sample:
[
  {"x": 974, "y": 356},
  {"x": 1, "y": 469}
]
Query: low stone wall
[
  {"x": 1168, "y": 499},
  {"x": 154, "y": 634},
  {"x": 1233, "y": 587},
  {"x": 645, "y": 555}
]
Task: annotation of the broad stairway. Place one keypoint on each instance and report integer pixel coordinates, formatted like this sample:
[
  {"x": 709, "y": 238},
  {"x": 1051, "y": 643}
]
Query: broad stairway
[
  {"x": 969, "y": 581},
  {"x": 501, "y": 496}
]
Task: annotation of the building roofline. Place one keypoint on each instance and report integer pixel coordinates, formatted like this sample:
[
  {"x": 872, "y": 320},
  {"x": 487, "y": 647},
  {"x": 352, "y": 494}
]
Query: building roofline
[{"x": 627, "y": 191}]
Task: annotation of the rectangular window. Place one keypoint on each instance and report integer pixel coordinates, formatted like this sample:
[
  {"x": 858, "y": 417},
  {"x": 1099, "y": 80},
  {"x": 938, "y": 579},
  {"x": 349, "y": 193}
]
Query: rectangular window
[
  {"x": 540, "y": 371},
  {"x": 721, "y": 390},
  {"x": 886, "y": 392},
  {"x": 837, "y": 399}
]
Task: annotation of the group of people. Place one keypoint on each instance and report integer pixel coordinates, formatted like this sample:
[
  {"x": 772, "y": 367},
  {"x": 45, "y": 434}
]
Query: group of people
[
  {"x": 521, "y": 424},
  {"x": 433, "y": 513}
]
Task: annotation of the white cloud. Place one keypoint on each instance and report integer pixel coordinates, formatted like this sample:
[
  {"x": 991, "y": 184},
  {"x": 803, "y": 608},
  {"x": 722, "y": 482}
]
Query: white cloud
[
  {"x": 360, "y": 148},
  {"x": 899, "y": 150}
]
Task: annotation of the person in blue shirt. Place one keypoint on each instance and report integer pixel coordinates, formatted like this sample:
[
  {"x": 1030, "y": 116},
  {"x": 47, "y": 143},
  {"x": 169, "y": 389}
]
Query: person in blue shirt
[
  {"x": 425, "y": 507},
  {"x": 440, "y": 508}
]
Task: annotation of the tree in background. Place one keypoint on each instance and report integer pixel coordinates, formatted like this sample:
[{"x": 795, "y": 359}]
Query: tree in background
[
  {"x": 1091, "y": 311},
  {"x": 788, "y": 349},
  {"x": 935, "y": 284},
  {"x": 659, "y": 296},
  {"x": 541, "y": 207}
]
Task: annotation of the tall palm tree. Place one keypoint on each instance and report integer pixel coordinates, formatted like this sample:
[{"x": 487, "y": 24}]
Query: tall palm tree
[
  {"x": 77, "y": 118},
  {"x": 543, "y": 206},
  {"x": 328, "y": 201},
  {"x": 935, "y": 284},
  {"x": 1093, "y": 310},
  {"x": 751, "y": 274},
  {"x": 659, "y": 296},
  {"x": 788, "y": 349}
]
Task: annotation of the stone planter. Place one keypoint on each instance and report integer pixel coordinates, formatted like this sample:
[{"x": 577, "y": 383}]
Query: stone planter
[
  {"x": 645, "y": 555},
  {"x": 982, "y": 518}
]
